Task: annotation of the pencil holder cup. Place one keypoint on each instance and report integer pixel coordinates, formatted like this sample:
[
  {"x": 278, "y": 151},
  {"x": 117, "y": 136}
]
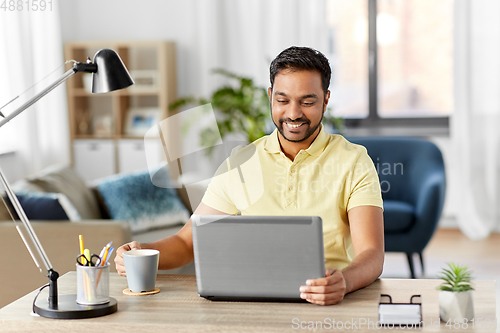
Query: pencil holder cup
[{"x": 92, "y": 284}]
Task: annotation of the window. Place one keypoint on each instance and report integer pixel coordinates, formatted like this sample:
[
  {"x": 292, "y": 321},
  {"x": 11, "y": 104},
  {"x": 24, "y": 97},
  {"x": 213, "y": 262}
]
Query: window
[
  {"x": 392, "y": 61},
  {"x": 348, "y": 55}
]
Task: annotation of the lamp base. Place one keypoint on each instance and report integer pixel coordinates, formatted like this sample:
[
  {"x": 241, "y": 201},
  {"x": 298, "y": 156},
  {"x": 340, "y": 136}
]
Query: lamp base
[{"x": 68, "y": 308}]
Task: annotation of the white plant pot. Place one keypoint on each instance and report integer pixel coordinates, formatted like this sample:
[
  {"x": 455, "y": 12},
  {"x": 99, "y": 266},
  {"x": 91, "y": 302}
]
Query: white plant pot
[{"x": 456, "y": 306}]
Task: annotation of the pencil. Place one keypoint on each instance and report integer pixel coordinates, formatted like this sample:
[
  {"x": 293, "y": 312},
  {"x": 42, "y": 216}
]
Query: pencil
[
  {"x": 80, "y": 238},
  {"x": 103, "y": 263}
]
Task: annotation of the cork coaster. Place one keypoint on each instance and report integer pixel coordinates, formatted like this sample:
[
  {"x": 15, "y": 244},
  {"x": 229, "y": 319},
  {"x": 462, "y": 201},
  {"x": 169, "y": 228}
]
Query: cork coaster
[{"x": 131, "y": 293}]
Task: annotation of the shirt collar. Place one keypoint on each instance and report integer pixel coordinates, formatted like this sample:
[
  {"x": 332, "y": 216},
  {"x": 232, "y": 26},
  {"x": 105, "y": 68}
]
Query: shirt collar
[
  {"x": 272, "y": 144},
  {"x": 315, "y": 149},
  {"x": 319, "y": 144}
]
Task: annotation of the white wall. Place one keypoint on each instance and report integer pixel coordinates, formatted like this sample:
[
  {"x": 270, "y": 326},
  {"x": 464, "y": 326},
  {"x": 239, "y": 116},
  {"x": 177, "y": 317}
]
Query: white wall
[
  {"x": 12, "y": 167},
  {"x": 128, "y": 20}
]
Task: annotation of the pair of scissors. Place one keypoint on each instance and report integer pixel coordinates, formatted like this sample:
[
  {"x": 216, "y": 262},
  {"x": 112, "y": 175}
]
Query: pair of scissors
[{"x": 82, "y": 260}]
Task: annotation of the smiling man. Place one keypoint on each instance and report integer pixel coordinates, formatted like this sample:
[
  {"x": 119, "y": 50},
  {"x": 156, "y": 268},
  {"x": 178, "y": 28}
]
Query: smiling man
[{"x": 303, "y": 171}]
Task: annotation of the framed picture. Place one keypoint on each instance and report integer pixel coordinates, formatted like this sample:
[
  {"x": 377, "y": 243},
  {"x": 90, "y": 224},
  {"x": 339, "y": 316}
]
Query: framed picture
[
  {"x": 144, "y": 79},
  {"x": 140, "y": 120},
  {"x": 102, "y": 125}
]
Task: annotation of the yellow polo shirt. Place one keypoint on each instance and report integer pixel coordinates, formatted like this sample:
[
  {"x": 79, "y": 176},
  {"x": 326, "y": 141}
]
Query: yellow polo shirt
[{"x": 326, "y": 180}]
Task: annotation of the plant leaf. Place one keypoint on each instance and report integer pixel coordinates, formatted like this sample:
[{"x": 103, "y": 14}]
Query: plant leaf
[{"x": 456, "y": 278}]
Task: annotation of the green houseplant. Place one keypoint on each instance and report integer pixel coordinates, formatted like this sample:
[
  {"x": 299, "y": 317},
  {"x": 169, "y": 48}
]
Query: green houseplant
[
  {"x": 242, "y": 108},
  {"x": 455, "y": 293}
]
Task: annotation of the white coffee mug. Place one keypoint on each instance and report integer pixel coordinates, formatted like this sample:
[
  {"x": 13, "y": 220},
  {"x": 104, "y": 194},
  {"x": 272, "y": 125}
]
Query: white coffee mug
[{"x": 141, "y": 267}]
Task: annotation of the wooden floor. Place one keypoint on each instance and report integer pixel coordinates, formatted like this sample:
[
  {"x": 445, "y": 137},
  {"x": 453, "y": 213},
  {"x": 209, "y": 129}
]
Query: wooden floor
[{"x": 482, "y": 257}]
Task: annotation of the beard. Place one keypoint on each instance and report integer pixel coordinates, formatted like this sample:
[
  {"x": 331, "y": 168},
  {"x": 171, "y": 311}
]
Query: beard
[{"x": 310, "y": 131}]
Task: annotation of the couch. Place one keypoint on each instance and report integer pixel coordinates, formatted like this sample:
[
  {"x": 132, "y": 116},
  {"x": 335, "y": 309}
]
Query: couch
[{"x": 66, "y": 207}]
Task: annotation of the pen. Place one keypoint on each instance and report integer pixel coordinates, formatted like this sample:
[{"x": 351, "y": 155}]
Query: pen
[
  {"x": 101, "y": 255},
  {"x": 104, "y": 261},
  {"x": 109, "y": 254},
  {"x": 105, "y": 255}
]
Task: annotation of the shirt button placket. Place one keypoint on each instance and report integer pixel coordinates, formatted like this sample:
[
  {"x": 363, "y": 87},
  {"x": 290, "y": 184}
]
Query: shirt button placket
[{"x": 292, "y": 186}]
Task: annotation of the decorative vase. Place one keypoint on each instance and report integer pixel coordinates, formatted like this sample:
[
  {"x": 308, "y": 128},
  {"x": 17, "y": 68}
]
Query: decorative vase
[{"x": 456, "y": 305}]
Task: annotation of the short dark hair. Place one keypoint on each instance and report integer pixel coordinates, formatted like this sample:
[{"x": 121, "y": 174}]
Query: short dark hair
[{"x": 302, "y": 58}]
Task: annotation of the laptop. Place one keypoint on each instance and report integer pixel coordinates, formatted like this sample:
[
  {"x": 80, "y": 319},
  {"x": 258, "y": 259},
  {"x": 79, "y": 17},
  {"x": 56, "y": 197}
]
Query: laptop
[{"x": 256, "y": 258}]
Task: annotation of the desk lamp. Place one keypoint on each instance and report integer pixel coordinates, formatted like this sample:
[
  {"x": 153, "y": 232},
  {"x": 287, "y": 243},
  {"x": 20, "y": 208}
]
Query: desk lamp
[{"x": 109, "y": 73}]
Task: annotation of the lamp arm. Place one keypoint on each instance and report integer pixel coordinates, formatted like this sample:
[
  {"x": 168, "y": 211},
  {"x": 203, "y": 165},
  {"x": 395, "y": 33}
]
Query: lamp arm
[
  {"x": 27, "y": 225},
  {"x": 51, "y": 274},
  {"x": 77, "y": 67},
  {"x": 32, "y": 238},
  {"x": 37, "y": 97}
]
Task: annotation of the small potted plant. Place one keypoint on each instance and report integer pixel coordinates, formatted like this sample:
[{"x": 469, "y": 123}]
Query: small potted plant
[{"x": 455, "y": 294}]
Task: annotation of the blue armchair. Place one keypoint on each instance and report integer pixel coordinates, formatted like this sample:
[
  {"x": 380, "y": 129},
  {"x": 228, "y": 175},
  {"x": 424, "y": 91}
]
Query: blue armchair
[{"x": 413, "y": 183}]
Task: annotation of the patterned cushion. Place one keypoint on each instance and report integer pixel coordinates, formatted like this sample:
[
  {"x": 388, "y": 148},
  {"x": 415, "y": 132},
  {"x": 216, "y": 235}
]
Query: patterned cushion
[{"x": 133, "y": 198}]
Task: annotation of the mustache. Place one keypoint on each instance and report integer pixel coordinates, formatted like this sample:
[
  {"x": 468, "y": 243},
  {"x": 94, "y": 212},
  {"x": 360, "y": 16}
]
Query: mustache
[{"x": 295, "y": 121}]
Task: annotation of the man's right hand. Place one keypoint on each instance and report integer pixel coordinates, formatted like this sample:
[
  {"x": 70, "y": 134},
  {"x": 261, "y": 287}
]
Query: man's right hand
[{"x": 120, "y": 266}]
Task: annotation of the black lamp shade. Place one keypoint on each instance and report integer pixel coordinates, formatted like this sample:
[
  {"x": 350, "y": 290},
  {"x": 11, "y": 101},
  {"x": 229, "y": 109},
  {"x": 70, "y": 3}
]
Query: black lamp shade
[{"x": 111, "y": 72}]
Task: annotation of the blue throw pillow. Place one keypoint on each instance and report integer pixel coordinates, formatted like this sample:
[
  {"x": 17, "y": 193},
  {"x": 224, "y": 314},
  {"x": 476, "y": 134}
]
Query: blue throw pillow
[
  {"x": 45, "y": 206},
  {"x": 133, "y": 198}
]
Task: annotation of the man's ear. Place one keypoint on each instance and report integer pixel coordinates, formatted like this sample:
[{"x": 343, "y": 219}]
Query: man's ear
[
  {"x": 270, "y": 94},
  {"x": 327, "y": 98}
]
